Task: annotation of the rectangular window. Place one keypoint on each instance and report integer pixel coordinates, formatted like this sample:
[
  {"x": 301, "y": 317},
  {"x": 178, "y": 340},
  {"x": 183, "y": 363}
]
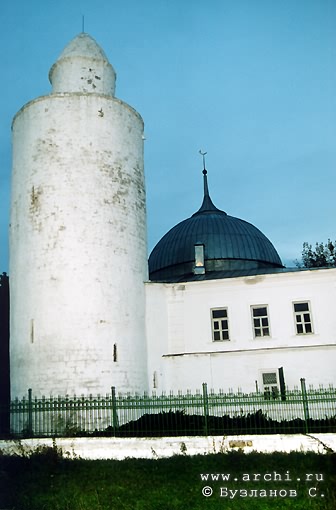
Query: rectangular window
[
  {"x": 220, "y": 324},
  {"x": 32, "y": 332},
  {"x": 302, "y": 316},
  {"x": 115, "y": 353},
  {"x": 270, "y": 385},
  {"x": 199, "y": 267},
  {"x": 199, "y": 255},
  {"x": 260, "y": 321}
]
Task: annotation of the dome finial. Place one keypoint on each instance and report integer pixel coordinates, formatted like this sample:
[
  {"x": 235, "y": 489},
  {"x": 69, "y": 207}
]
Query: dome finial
[
  {"x": 205, "y": 179},
  {"x": 203, "y": 155},
  {"x": 207, "y": 205}
]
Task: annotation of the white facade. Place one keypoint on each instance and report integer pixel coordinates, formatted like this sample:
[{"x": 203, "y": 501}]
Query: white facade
[
  {"x": 78, "y": 254},
  {"x": 182, "y": 353},
  {"x": 84, "y": 316}
]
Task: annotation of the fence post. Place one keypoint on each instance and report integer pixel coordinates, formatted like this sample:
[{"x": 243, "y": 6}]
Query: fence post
[
  {"x": 205, "y": 407},
  {"x": 30, "y": 412},
  {"x": 115, "y": 424},
  {"x": 305, "y": 403}
]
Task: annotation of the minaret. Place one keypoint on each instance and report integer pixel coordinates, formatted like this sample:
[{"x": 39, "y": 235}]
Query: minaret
[{"x": 78, "y": 254}]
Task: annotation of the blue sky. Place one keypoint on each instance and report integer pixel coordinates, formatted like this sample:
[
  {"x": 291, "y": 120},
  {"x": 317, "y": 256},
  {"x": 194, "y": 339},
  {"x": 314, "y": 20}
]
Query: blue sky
[{"x": 252, "y": 82}]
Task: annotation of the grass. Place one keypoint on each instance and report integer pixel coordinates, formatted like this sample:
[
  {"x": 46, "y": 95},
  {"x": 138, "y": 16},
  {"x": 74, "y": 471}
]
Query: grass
[{"x": 44, "y": 480}]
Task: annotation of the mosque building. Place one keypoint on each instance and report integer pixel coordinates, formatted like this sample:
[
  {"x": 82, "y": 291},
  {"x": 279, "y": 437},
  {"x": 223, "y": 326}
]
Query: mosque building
[{"x": 213, "y": 303}]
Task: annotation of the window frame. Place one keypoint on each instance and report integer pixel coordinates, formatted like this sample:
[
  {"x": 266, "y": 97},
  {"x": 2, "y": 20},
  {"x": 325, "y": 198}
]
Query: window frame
[
  {"x": 301, "y": 315},
  {"x": 261, "y": 326},
  {"x": 219, "y": 319}
]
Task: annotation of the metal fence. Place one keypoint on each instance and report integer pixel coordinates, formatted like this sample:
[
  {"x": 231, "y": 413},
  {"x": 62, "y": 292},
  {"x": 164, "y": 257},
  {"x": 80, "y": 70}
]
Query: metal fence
[{"x": 203, "y": 413}]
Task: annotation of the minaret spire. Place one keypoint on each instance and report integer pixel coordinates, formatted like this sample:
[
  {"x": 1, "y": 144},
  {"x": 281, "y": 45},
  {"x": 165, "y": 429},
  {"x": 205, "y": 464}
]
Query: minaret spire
[
  {"x": 83, "y": 67},
  {"x": 207, "y": 204}
]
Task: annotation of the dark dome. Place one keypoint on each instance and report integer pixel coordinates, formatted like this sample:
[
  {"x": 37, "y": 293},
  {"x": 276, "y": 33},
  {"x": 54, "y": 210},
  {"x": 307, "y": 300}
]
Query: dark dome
[{"x": 230, "y": 244}]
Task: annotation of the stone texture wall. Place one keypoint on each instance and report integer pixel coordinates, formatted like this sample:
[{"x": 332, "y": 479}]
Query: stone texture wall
[{"x": 78, "y": 256}]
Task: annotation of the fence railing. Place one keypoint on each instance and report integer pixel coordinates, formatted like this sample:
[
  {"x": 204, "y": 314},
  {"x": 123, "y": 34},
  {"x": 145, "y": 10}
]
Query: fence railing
[{"x": 202, "y": 413}]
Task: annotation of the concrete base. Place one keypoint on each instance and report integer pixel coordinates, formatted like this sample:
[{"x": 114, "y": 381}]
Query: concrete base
[{"x": 155, "y": 448}]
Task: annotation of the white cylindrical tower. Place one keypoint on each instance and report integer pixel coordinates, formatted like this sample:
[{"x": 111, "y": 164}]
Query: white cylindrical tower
[{"x": 78, "y": 254}]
